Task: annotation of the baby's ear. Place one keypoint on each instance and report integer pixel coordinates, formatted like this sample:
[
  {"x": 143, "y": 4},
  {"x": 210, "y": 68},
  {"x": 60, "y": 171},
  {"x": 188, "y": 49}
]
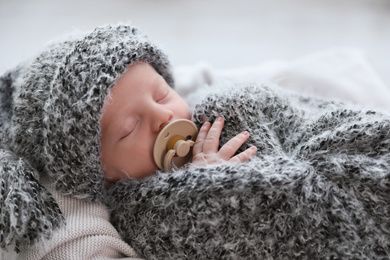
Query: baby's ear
[{"x": 28, "y": 212}]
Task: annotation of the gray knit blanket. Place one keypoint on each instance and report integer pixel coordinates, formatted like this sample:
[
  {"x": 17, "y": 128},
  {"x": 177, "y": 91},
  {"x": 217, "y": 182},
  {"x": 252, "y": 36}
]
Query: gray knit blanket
[{"x": 318, "y": 187}]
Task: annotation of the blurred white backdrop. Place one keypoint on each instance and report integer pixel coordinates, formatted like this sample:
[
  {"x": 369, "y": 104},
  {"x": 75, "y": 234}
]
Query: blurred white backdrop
[{"x": 224, "y": 33}]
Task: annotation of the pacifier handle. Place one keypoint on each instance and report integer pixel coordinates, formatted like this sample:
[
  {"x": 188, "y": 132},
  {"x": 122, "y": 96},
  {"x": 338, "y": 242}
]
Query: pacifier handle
[
  {"x": 181, "y": 148},
  {"x": 174, "y": 144}
]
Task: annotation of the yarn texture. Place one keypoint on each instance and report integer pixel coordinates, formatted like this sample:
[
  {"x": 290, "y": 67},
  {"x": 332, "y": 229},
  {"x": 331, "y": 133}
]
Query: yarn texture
[
  {"x": 50, "y": 115},
  {"x": 318, "y": 187}
]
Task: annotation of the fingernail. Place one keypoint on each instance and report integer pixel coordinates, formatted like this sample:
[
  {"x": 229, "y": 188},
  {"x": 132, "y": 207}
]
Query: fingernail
[
  {"x": 206, "y": 124},
  {"x": 220, "y": 119},
  {"x": 245, "y": 133},
  {"x": 254, "y": 148}
]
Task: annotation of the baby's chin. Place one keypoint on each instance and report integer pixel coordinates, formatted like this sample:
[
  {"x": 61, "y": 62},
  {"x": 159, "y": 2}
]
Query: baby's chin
[{"x": 148, "y": 172}]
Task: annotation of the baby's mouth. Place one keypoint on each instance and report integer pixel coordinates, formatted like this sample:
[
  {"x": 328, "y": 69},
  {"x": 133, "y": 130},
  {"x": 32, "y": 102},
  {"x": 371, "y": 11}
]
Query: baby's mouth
[{"x": 173, "y": 145}]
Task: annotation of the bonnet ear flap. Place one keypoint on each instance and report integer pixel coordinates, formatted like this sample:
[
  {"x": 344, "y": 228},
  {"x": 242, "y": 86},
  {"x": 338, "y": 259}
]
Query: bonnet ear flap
[{"x": 28, "y": 212}]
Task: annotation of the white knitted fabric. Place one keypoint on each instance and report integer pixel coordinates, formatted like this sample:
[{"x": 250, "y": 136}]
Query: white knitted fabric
[{"x": 88, "y": 233}]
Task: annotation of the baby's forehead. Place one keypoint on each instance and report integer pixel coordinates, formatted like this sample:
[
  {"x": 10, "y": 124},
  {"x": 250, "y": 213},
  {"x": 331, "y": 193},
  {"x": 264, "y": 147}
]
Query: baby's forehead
[{"x": 139, "y": 78}]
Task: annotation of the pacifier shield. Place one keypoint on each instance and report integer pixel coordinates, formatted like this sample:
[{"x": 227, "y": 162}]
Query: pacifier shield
[{"x": 174, "y": 144}]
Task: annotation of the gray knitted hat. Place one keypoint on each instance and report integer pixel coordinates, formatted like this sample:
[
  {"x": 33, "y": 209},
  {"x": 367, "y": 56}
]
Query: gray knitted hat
[{"x": 50, "y": 115}]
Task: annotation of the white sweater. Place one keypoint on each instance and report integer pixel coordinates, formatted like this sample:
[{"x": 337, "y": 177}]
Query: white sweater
[{"x": 88, "y": 234}]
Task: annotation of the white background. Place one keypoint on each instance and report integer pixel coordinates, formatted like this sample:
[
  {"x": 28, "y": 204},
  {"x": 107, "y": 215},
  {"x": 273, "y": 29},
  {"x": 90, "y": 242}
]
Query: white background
[{"x": 224, "y": 33}]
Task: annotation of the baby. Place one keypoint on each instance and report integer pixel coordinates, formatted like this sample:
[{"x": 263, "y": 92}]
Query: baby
[
  {"x": 84, "y": 113},
  {"x": 140, "y": 105}
]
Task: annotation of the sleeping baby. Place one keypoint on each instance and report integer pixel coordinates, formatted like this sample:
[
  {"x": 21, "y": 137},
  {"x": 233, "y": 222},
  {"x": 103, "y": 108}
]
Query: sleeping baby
[
  {"x": 139, "y": 106},
  {"x": 310, "y": 181},
  {"x": 80, "y": 116}
]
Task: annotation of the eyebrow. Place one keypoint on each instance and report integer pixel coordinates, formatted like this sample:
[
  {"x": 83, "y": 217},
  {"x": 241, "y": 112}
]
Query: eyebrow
[
  {"x": 156, "y": 81},
  {"x": 158, "y": 84}
]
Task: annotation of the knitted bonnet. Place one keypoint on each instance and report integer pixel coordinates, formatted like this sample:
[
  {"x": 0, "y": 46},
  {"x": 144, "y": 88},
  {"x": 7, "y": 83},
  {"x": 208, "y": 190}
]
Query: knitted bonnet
[{"x": 51, "y": 109}]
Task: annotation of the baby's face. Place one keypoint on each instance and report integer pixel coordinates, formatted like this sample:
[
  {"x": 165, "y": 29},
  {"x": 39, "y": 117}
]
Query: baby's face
[{"x": 140, "y": 105}]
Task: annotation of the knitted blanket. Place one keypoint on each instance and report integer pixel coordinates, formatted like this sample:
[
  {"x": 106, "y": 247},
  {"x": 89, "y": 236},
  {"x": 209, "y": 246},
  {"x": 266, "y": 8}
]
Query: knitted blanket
[{"x": 318, "y": 187}]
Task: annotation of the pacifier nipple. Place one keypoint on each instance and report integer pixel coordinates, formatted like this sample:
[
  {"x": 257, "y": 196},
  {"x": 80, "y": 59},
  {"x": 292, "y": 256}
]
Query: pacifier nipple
[{"x": 174, "y": 144}]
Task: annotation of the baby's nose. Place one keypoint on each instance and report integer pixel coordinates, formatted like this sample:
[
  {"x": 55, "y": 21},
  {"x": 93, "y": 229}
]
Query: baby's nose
[
  {"x": 162, "y": 119},
  {"x": 162, "y": 126}
]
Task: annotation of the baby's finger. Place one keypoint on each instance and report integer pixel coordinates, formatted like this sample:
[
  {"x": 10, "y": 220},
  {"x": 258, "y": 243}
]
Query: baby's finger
[
  {"x": 245, "y": 155},
  {"x": 212, "y": 140},
  {"x": 230, "y": 148},
  {"x": 198, "y": 146}
]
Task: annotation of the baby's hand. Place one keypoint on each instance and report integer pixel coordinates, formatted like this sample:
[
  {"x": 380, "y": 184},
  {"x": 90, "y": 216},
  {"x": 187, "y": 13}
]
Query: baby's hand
[{"x": 206, "y": 152}]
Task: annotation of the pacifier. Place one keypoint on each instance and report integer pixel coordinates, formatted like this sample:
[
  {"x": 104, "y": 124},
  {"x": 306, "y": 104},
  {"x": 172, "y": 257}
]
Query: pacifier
[{"x": 174, "y": 144}]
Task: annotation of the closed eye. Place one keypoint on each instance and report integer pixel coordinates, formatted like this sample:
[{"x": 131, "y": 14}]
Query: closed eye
[
  {"x": 163, "y": 96},
  {"x": 128, "y": 129}
]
